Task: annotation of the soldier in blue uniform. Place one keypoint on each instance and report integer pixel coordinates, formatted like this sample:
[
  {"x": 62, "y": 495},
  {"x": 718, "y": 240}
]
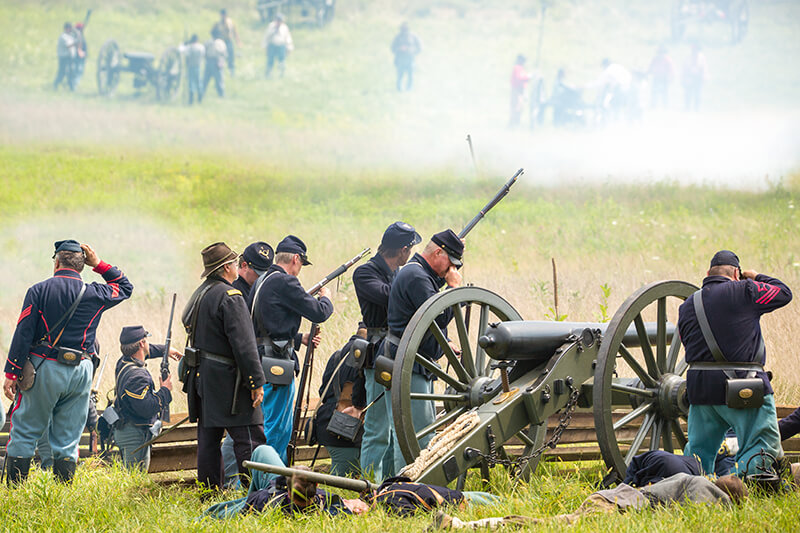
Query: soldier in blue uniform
[
  {"x": 372, "y": 282},
  {"x": 137, "y": 402},
  {"x": 55, "y": 336},
  {"x": 422, "y": 277},
  {"x": 224, "y": 378},
  {"x": 254, "y": 261},
  {"x": 279, "y": 303},
  {"x": 734, "y": 302}
]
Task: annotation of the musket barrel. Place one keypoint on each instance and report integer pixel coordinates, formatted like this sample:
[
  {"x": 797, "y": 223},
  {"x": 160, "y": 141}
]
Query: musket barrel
[
  {"x": 532, "y": 340},
  {"x": 357, "y": 485},
  {"x": 493, "y": 202}
]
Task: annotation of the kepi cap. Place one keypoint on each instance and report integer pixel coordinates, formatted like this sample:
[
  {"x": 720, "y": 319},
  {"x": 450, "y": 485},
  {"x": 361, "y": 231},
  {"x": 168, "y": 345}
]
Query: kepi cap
[
  {"x": 215, "y": 255},
  {"x": 131, "y": 334},
  {"x": 399, "y": 235},
  {"x": 69, "y": 245},
  {"x": 450, "y": 243},
  {"x": 259, "y": 256},
  {"x": 725, "y": 257},
  {"x": 293, "y": 245}
]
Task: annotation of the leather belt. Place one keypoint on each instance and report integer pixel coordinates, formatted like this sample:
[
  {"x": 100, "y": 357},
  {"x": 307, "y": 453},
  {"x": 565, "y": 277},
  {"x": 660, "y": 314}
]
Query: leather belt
[
  {"x": 377, "y": 332},
  {"x": 708, "y": 365},
  {"x": 217, "y": 358},
  {"x": 394, "y": 339}
]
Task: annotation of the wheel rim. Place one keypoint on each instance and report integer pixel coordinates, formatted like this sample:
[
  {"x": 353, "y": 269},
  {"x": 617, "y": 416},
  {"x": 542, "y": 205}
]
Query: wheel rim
[
  {"x": 170, "y": 69},
  {"x": 108, "y": 67},
  {"x": 650, "y": 379},
  {"x": 463, "y": 377}
]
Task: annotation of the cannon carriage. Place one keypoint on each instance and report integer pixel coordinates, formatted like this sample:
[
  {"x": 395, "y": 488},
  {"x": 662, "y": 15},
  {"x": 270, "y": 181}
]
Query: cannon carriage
[
  {"x": 165, "y": 76},
  {"x": 515, "y": 374}
]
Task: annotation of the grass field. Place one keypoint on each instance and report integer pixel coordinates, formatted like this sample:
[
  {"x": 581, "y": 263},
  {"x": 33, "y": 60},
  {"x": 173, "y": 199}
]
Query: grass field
[{"x": 333, "y": 154}]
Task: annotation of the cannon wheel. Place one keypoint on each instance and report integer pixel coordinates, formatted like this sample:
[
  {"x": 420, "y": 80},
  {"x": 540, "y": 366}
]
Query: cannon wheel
[
  {"x": 170, "y": 70},
  {"x": 657, "y": 395},
  {"x": 108, "y": 67},
  {"x": 461, "y": 375}
]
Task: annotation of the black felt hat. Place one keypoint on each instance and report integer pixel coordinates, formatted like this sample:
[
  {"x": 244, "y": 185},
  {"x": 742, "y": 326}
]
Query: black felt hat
[
  {"x": 293, "y": 245},
  {"x": 399, "y": 235},
  {"x": 450, "y": 243},
  {"x": 725, "y": 257},
  {"x": 69, "y": 245},
  {"x": 259, "y": 256},
  {"x": 131, "y": 334}
]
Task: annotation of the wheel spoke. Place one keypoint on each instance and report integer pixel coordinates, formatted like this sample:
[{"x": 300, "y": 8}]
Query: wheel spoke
[
  {"x": 451, "y": 356},
  {"x": 647, "y": 350},
  {"x": 639, "y": 439},
  {"x": 655, "y": 435},
  {"x": 439, "y": 422},
  {"x": 463, "y": 340},
  {"x": 646, "y": 378},
  {"x": 681, "y": 367},
  {"x": 459, "y": 398},
  {"x": 680, "y": 438},
  {"x": 674, "y": 350},
  {"x": 636, "y": 413},
  {"x": 437, "y": 371},
  {"x": 661, "y": 335},
  {"x": 667, "y": 434},
  {"x": 480, "y": 355},
  {"x": 636, "y": 391}
]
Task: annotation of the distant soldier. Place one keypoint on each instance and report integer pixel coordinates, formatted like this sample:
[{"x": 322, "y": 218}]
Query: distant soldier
[
  {"x": 373, "y": 283},
  {"x": 137, "y": 402},
  {"x": 405, "y": 47},
  {"x": 422, "y": 277},
  {"x": 216, "y": 52},
  {"x": 52, "y": 348},
  {"x": 278, "y": 43},
  {"x": 195, "y": 52},
  {"x": 67, "y": 51},
  {"x": 279, "y": 303},
  {"x": 662, "y": 73},
  {"x": 695, "y": 74},
  {"x": 254, "y": 261},
  {"x": 224, "y": 379},
  {"x": 519, "y": 79},
  {"x": 226, "y": 30}
]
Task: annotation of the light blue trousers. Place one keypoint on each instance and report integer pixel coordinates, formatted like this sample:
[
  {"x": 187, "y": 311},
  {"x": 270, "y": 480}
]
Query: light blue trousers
[
  {"x": 278, "y": 410},
  {"x": 756, "y": 429},
  {"x": 59, "y": 398},
  {"x": 422, "y": 414},
  {"x": 377, "y": 455},
  {"x": 128, "y": 438},
  {"x": 344, "y": 461}
]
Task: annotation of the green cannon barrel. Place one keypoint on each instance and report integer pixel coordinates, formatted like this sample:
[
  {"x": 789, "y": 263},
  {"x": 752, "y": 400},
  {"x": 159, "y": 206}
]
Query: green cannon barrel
[{"x": 537, "y": 340}]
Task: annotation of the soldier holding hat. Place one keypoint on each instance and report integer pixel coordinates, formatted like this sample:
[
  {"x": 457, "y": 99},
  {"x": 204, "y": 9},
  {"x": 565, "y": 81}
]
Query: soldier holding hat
[
  {"x": 373, "y": 281},
  {"x": 731, "y": 303},
  {"x": 424, "y": 275},
  {"x": 49, "y": 366},
  {"x": 224, "y": 375},
  {"x": 137, "y": 403},
  {"x": 279, "y": 303},
  {"x": 254, "y": 261}
]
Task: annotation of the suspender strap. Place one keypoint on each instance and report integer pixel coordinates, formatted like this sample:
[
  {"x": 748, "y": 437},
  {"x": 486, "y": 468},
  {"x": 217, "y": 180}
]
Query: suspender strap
[
  {"x": 195, "y": 310},
  {"x": 66, "y": 317},
  {"x": 328, "y": 386},
  {"x": 257, "y": 319},
  {"x": 711, "y": 341}
]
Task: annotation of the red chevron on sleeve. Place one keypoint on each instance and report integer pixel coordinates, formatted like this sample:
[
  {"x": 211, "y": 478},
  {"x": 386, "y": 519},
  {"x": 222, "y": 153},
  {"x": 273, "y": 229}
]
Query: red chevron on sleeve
[
  {"x": 25, "y": 312},
  {"x": 772, "y": 292},
  {"x": 114, "y": 289}
]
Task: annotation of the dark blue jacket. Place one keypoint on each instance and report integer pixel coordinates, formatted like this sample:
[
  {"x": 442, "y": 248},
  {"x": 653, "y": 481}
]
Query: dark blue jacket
[
  {"x": 412, "y": 286},
  {"x": 47, "y": 301},
  {"x": 243, "y": 286},
  {"x": 790, "y": 426},
  {"x": 276, "y": 496},
  {"x": 137, "y": 400},
  {"x": 283, "y": 303},
  {"x": 733, "y": 309},
  {"x": 373, "y": 282}
]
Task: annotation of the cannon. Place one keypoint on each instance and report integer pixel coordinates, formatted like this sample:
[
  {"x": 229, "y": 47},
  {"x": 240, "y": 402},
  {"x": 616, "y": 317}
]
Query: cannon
[
  {"x": 515, "y": 374},
  {"x": 734, "y": 12},
  {"x": 165, "y": 77}
]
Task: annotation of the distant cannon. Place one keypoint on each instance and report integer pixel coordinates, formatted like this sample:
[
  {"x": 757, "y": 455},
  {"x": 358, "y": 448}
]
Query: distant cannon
[
  {"x": 515, "y": 374},
  {"x": 734, "y": 12},
  {"x": 165, "y": 77}
]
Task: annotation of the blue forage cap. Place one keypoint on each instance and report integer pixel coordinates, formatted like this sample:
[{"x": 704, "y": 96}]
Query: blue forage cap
[
  {"x": 131, "y": 334},
  {"x": 69, "y": 245},
  {"x": 725, "y": 257},
  {"x": 293, "y": 245},
  {"x": 450, "y": 243},
  {"x": 259, "y": 256},
  {"x": 399, "y": 235}
]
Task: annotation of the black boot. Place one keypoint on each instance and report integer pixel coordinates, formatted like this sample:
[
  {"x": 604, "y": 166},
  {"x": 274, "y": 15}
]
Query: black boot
[
  {"x": 64, "y": 469},
  {"x": 17, "y": 468}
]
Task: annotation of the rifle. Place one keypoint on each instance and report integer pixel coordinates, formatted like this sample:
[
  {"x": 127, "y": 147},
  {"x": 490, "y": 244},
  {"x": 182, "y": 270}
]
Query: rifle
[
  {"x": 163, "y": 434},
  {"x": 308, "y": 362},
  {"x": 493, "y": 202},
  {"x": 94, "y": 398},
  {"x": 165, "y": 358},
  {"x": 472, "y": 153},
  {"x": 356, "y": 485}
]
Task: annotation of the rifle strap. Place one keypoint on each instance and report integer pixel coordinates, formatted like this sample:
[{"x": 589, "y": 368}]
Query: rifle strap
[
  {"x": 194, "y": 308},
  {"x": 257, "y": 323},
  {"x": 65, "y": 318}
]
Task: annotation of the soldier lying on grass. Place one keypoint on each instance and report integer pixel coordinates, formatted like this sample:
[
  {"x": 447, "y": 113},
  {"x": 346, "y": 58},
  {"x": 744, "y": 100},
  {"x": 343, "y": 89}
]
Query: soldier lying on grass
[{"x": 296, "y": 495}]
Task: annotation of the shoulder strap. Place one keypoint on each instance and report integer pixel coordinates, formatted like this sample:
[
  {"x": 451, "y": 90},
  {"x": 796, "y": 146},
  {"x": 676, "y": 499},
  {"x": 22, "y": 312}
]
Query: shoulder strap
[
  {"x": 708, "y": 335},
  {"x": 124, "y": 370},
  {"x": 193, "y": 312},
  {"x": 257, "y": 319},
  {"x": 328, "y": 385},
  {"x": 66, "y": 317}
]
